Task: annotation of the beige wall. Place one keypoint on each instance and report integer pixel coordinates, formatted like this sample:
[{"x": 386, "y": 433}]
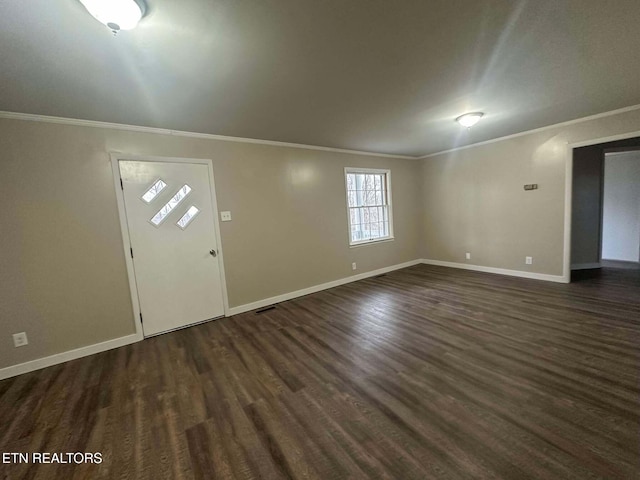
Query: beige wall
[
  {"x": 474, "y": 199},
  {"x": 62, "y": 270},
  {"x": 62, "y": 266}
]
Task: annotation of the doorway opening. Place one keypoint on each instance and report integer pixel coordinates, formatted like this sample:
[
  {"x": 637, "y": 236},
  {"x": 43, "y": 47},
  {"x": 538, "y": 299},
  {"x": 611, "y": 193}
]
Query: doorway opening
[{"x": 605, "y": 221}]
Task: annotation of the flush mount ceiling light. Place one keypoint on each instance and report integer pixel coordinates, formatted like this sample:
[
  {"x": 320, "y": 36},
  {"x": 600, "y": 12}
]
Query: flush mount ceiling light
[
  {"x": 116, "y": 14},
  {"x": 469, "y": 119}
]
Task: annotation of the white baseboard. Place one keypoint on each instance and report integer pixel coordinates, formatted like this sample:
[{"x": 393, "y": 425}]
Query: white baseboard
[
  {"x": 500, "y": 271},
  {"x": 39, "y": 363},
  {"x": 317, "y": 288},
  {"x": 119, "y": 342},
  {"x": 66, "y": 356},
  {"x": 585, "y": 266}
]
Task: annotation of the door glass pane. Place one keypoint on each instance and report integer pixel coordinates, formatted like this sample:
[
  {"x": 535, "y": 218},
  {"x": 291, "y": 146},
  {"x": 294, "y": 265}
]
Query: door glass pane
[
  {"x": 170, "y": 205},
  {"x": 153, "y": 191},
  {"x": 187, "y": 217}
]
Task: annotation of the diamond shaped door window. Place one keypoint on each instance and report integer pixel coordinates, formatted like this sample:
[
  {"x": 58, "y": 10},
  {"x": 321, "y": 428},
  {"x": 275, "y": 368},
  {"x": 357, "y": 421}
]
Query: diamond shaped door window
[
  {"x": 153, "y": 191},
  {"x": 166, "y": 210},
  {"x": 186, "y": 219}
]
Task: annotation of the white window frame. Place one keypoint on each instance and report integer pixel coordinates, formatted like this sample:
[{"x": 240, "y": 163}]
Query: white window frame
[{"x": 387, "y": 174}]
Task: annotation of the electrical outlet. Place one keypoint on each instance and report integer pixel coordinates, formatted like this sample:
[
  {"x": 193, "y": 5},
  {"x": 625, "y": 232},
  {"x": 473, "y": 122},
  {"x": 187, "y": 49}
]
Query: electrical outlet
[
  {"x": 528, "y": 260},
  {"x": 20, "y": 339},
  {"x": 468, "y": 256},
  {"x": 225, "y": 216},
  {"x": 353, "y": 266}
]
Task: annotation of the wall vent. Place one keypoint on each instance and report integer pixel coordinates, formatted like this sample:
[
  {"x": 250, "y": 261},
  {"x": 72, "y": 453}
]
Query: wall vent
[{"x": 266, "y": 309}]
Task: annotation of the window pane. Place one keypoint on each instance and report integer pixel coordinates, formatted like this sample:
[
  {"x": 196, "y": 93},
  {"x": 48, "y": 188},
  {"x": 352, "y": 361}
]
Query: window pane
[
  {"x": 373, "y": 214},
  {"x": 153, "y": 191},
  {"x": 352, "y": 199},
  {"x": 371, "y": 197},
  {"x": 353, "y": 215},
  {"x": 369, "y": 183},
  {"x": 187, "y": 217}
]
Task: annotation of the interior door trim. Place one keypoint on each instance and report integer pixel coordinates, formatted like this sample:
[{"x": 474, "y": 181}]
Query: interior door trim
[{"x": 124, "y": 228}]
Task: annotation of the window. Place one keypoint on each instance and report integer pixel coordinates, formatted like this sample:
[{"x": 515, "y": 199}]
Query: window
[
  {"x": 187, "y": 217},
  {"x": 369, "y": 204},
  {"x": 153, "y": 191}
]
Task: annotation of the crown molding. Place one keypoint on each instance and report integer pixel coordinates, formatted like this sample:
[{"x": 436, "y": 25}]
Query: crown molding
[
  {"x": 179, "y": 133},
  {"x": 536, "y": 130}
]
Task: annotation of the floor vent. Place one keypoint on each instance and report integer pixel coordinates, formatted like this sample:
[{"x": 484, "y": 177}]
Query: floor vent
[{"x": 266, "y": 309}]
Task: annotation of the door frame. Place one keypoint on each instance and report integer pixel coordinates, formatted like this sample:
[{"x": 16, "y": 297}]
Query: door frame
[
  {"x": 124, "y": 227},
  {"x": 568, "y": 193}
]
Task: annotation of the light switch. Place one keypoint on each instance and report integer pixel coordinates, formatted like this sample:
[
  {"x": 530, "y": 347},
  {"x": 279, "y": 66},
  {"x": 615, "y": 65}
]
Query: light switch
[{"x": 225, "y": 216}]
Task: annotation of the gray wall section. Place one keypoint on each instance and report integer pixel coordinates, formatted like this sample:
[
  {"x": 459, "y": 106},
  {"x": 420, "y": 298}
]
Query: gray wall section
[
  {"x": 621, "y": 207},
  {"x": 587, "y": 202},
  {"x": 586, "y": 205}
]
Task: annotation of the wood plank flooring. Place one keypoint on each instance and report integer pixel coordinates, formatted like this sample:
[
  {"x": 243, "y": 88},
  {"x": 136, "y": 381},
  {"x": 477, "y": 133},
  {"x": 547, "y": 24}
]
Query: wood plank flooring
[{"x": 426, "y": 372}]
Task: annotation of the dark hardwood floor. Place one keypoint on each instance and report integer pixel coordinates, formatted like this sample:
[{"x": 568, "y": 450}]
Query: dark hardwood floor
[{"x": 426, "y": 372}]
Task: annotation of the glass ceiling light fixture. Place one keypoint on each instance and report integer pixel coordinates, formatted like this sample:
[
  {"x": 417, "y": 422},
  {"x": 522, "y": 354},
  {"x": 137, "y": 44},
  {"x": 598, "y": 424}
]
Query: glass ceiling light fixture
[
  {"x": 469, "y": 119},
  {"x": 116, "y": 14}
]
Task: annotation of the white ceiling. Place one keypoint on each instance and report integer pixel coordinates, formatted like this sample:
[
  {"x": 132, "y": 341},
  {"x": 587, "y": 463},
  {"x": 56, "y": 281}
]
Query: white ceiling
[{"x": 383, "y": 76}]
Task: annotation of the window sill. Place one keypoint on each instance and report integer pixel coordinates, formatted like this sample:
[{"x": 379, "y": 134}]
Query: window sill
[{"x": 372, "y": 242}]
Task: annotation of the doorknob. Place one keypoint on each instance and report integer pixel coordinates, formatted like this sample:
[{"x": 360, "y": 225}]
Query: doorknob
[{"x": 213, "y": 253}]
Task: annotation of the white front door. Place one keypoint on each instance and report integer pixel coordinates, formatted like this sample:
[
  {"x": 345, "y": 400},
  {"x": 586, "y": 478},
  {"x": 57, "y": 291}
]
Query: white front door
[{"x": 170, "y": 217}]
